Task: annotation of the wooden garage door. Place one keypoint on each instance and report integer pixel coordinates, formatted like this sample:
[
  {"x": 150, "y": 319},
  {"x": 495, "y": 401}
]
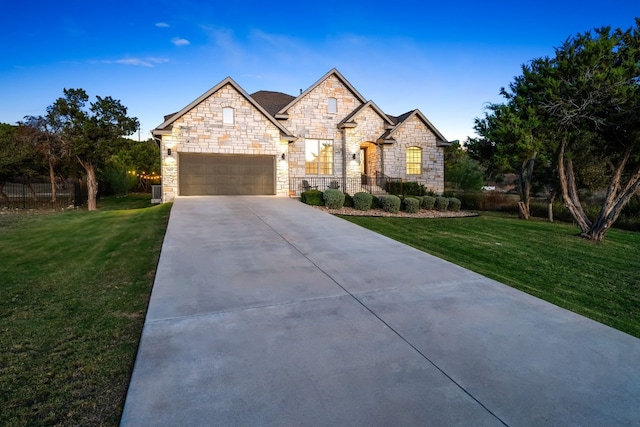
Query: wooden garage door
[{"x": 219, "y": 174}]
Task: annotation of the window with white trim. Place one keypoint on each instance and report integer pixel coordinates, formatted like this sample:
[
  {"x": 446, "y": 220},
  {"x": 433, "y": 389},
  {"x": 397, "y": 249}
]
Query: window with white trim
[
  {"x": 318, "y": 154},
  {"x": 227, "y": 116},
  {"x": 332, "y": 105},
  {"x": 414, "y": 161}
]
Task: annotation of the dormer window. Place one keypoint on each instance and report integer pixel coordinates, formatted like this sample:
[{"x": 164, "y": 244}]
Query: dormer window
[
  {"x": 332, "y": 106},
  {"x": 227, "y": 116}
]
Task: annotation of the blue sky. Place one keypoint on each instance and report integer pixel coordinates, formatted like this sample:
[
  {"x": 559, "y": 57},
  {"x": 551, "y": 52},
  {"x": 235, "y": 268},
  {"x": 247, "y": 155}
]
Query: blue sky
[{"x": 447, "y": 59}]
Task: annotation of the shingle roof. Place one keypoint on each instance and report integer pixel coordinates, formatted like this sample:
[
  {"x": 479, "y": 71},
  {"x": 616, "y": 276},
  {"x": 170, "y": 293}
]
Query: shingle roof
[
  {"x": 272, "y": 101},
  {"x": 401, "y": 118}
]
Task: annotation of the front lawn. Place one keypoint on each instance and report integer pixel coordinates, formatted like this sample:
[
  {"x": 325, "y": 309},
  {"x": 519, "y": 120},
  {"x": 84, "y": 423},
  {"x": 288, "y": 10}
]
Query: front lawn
[
  {"x": 548, "y": 260},
  {"x": 74, "y": 288}
]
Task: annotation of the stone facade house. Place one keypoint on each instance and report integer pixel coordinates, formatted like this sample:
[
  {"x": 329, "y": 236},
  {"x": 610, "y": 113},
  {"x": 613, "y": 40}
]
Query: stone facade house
[{"x": 329, "y": 136}]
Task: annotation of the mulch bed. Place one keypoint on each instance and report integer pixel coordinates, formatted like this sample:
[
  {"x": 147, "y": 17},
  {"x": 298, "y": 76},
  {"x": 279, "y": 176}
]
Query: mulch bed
[{"x": 379, "y": 212}]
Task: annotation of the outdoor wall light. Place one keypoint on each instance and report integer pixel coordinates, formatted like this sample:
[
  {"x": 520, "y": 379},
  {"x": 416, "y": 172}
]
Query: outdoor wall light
[
  {"x": 354, "y": 156},
  {"x": 283, "y": 156},
  {"x": 168, "y": 151}
]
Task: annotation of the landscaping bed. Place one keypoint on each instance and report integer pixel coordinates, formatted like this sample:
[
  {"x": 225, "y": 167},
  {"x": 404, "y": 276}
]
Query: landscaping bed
[{"x": 346, "y": 211}]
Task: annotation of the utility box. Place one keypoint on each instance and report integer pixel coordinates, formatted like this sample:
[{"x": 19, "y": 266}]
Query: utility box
[{"x": 156, "y": 194}]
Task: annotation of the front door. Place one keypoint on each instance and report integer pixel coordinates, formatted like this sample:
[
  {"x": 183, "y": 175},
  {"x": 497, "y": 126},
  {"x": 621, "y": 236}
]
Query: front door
[{"x": 363, "y": 165}]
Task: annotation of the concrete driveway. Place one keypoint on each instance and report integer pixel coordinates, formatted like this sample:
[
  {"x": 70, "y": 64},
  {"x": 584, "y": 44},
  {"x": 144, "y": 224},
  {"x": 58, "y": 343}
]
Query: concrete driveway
[{"x": 266, "y": 311}]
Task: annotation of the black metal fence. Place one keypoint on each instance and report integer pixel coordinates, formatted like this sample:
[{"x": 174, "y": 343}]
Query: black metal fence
[
  {"x": 375, "y": 184},
  {"x": 39, "y": 195}
]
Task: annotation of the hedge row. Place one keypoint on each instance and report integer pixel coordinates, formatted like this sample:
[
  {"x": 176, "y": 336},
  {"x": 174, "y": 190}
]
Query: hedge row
[{"x": 363, "y": 201}]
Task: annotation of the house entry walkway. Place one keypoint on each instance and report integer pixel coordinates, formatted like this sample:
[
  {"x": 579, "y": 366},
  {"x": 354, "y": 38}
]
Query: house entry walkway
[{"x": 266, "y": 311}]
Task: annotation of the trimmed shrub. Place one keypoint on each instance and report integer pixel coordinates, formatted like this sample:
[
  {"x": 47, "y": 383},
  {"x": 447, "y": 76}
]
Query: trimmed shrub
[
  {"x": 413, "y": 189},
  {"x": 454, "y": 204},
  {"x": 375, "y": 203},
  {"x": 393, "y": 186},
  {"x": 441, "y": 203},
  {"x": 390, "y": 203},
  {"x": 362, "y": 201},
  {"x": 428, "y": 202},
  {"x": 411, "y": 205},
  {"x": 312, "y": 197},
  {"x": 348, "y": 200},
  {"x": 333, "y": 199}
]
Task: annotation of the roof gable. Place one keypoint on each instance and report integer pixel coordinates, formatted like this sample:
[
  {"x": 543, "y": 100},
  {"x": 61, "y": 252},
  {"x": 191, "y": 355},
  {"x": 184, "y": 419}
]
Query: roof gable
[
  {"x": 400, "y": 120},
  {"x": 334, "y": 72},
  {"x": 169, "y": 120},
  {"x": 349, "y": 120}
]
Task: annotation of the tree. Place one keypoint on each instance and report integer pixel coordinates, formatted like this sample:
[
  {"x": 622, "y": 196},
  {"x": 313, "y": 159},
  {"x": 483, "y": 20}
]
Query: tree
[
  {"x": 591, "y": 95},
  {"x": 145, "y": 156},
  {"x": 581, "y": 107},
  {"x": 131, "y": 167},
  {"x": 460, "y": 171},
  {"x": 40, "y": 132},
  {"x": 91, "y": 134},
  {"x": 16, "y": 158},
  {"x": 511, "y": 135}
]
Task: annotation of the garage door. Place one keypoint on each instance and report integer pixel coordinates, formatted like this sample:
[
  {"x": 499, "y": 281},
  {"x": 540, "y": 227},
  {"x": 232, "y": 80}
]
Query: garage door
[{"x": 220, "y": 174}]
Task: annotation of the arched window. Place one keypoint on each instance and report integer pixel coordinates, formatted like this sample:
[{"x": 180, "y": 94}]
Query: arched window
[
  {"x": 414, "y": 161},
  {"x": 332, "y": 106},
  {"x": 227, "y": 116}
]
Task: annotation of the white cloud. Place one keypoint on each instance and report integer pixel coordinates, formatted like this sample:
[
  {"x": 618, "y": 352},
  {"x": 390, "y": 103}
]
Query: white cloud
[
  {"x": 162, "y": 25},
  {"x": 144, "y": 62},
  {"x": 179, "y": 41}
]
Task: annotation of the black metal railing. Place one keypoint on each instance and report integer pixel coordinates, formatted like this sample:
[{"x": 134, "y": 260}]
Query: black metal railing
[
  {"x": 371, "y": 184},
  {"x": 36, "y": 195}
]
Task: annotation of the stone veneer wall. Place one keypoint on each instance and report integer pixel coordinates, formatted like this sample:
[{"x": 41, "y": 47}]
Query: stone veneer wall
[
  {"x": 201, "y": 131},
  {"x": 310, "y": 118},
  {"x": 370, "y": 127},
  {"x": 414, "y": 133}
]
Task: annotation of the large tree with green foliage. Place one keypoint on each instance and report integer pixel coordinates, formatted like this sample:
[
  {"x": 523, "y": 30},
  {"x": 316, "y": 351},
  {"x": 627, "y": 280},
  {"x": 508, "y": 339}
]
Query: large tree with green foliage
[
  {"x": 41, "y": 133},
  {"x": 512, "y": 140},
  {"x": 582, "y": 106},
  {"x": 17, "y": 159},
  {"x": 91, "y": 134},
  {"x": 591, "y": 97},
  {"x": 461, "y": 172}
]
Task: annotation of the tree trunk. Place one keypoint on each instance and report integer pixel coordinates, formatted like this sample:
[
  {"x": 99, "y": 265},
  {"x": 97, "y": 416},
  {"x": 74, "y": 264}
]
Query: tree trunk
[
  {"x": 552, "y": 198},
  {"x": 92, "y": 188},
  {"x": 523, "y": 210},
  {"x": 612, "y": 208},
  {"x": 34, "y": 195},
  {"x": 525, "y": 177},
  {"x": 2, "y": 193},
  {"x": 616, "y": 199},
  {"x": 569, "y": 190},
  {"x": 92, "y": 185},
  {"x": 52, "y": 180}
]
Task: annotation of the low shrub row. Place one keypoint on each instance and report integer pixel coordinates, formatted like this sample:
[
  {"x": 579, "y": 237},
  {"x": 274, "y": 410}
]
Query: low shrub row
[{"x": 363, "y": 201}]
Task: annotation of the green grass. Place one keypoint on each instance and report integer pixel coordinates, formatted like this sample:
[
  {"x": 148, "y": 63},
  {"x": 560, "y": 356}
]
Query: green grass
[
  {"x": 548, "y": 260},
  {"x": 74, "y": 288}
]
